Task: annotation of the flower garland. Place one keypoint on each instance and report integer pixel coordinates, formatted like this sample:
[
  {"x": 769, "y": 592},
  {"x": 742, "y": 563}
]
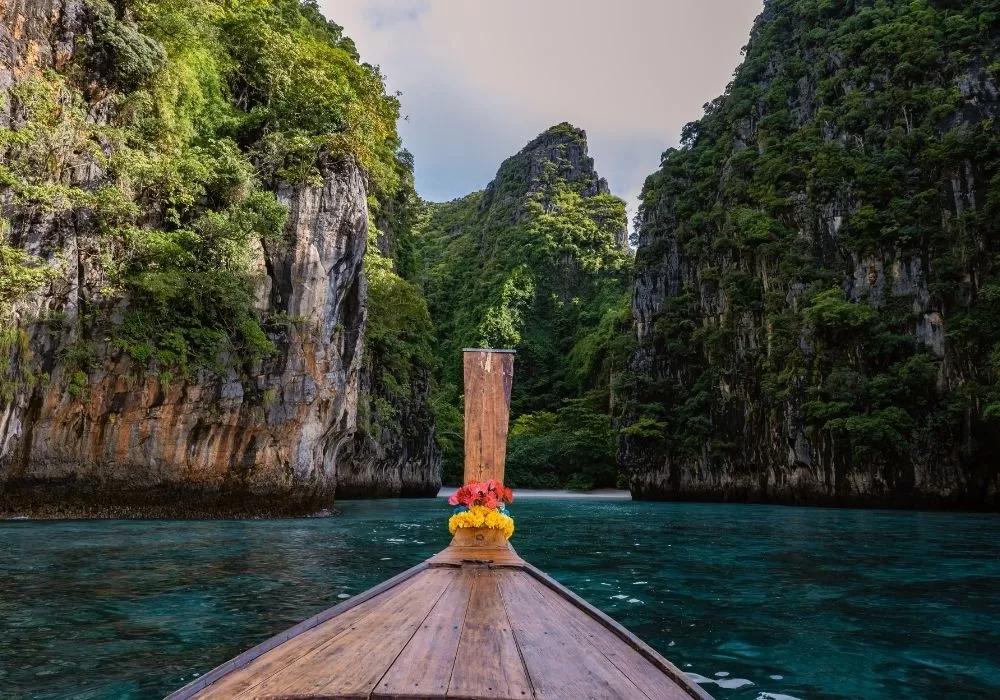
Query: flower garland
[{"x": 482, "y": 504}]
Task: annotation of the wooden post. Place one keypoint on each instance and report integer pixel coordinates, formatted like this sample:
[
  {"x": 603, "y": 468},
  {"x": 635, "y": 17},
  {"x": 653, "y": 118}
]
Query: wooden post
[{"x": 489, "y": 375}]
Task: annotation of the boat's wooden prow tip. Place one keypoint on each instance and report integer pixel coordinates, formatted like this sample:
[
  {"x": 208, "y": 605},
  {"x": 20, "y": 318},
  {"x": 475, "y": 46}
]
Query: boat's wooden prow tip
[
  {"x": 475, "y": 616},
  {"x": 449, "y": 631},
  {"x": 477, "y": 545}
]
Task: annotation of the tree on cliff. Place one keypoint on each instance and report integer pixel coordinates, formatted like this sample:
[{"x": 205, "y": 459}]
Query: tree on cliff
[
  {"x": 151, "y": 153},
  {"x": 536, "y": 262},
  {"x": 818, "y": 267}
]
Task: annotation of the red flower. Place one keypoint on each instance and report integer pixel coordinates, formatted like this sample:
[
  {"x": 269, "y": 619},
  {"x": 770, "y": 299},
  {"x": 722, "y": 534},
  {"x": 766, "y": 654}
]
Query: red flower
[
  {"x": 491, "y": 494},
  {"x": 466, "y": 498}
]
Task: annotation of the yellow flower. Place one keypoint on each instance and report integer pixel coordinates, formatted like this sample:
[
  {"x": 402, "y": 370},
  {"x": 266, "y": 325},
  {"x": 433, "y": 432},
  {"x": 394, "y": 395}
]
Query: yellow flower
[{"x": 481, "y": 516}]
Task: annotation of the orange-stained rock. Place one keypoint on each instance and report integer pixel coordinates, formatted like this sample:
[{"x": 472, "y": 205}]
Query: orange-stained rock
[
  {"x": 266, "y": 439},
  {"x": 261, "y": 441}
]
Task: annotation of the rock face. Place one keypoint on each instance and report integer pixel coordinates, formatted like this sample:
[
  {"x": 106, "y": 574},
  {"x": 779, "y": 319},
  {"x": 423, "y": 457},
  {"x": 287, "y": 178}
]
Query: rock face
[
  {"x": 397, "y": 458},
  {"x": 267, "y": 440},
  {"x": 558, "y": 155},
  {"x": 816, "y": 289},
  {"x": 536, "y": 262},
  {"x": 264, "y": 437},
  {"x": 36, "y": 33},
  {"x": 394, "y": 452}
]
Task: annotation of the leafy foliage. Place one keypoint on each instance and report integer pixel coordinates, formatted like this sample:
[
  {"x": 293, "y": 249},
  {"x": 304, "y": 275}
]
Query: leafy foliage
[
  {"x": 536, "y": 263},
  {"x": 399, "y": 344},
  {"x": 20, "y": 273},
  {"x": 210, "y": 104},
  {"x": 121, "y": 54},
  {"x": 573, "y": 447},
  {"x": 828, "y": 213}
]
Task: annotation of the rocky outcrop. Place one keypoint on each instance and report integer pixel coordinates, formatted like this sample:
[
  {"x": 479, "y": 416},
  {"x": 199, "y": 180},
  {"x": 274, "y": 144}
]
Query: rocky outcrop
[
  {"x": 394, "y": 453},
  {"x": 87, "y": 430},
  {"x": 36, "y": 33},
  {"x": 263, "y": 439},
  {"x": 558, "y": 155},
  {"x": 398, "y": 457},
  {"x": 815, "y": 280},
  {"x": 544, "y": 237},
  {"x": 538, "y": 262}
]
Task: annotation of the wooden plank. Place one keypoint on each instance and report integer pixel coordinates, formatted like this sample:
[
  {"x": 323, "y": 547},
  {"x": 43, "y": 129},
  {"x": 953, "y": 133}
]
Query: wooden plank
[
  {"x": 647, "y": 677},
  {"x": 251, "y": 676},
  {"x": 560, "y": 664},
  {"x": 424, "y": 667},
  {"x": 489, "y": 375},
  {"x": 268, "y": 664},
  {"x": 465, "y": 547},
  {"x": 488, "y": 663},
  {"x": 456, "y": 556},
  {"x": 193, "y": 688},
  {"x": 350, "y": 665},
  {"x": 644, "y": 650}
]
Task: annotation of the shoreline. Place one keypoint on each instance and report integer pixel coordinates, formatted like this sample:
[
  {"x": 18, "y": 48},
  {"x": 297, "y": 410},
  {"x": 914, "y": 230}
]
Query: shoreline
[
  {"x": 596, "y": 494},
  {"x": 236, "y": 506}
]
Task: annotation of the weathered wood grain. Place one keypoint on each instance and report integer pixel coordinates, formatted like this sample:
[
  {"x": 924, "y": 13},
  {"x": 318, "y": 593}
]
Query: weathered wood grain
[
  {"x": 463, "y": 630},
  {"x": 488, "y": 664},
  {"x": 350, "y": 664},
  {"x": 560, "y": 663},
  {"x": 424, "y": 667},
  {"x": 197, "y": 686},
  {"x": 489, "y": 375},
  {"x": 482, "y": 545},
  {"x": 282, "y": 656}
]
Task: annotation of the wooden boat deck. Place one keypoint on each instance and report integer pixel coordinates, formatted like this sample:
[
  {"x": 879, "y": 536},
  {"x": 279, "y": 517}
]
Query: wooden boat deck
[
  {"x": 474, "y": 621},
  {"x": 468, "y": 623}
]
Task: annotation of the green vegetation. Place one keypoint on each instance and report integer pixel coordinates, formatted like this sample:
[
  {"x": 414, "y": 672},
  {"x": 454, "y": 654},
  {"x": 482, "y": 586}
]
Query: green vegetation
[
  {"x": 853, "y": 135},
  {"x": 210, "y": 103},
  {"x": 536, "y": 263},
  {"x": 832, "y": 212},
  {"x": 20, "y": 273},
  {"x": 572, "y": 448},
  {"x": 399, "y": 340}
]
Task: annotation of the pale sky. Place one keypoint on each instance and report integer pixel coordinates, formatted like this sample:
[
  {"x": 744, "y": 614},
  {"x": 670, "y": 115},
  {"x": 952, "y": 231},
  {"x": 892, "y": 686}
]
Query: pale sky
[{"x": 480, "y": 78}]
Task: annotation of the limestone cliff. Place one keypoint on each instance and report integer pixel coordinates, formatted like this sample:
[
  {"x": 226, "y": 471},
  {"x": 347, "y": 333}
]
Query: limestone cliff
[
  {"x": 538, "y": 261},
  {"x": 393, "y": 455},
  {"x": 816, "y": 278},
  {"x": 395, "y": 451},
  {"x": 91, "y": 423}
]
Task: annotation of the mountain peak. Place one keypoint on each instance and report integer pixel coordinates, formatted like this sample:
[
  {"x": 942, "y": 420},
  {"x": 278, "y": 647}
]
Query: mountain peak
[
  {"x": 559, "y": 153},
  {"x": 562, "y": 132}
]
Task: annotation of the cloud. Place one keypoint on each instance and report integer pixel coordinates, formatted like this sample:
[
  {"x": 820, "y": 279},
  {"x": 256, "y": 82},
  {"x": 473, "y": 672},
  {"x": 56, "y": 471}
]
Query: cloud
[
  {"x": 382, "y": 16},
  {"x": 480, "y": 79}
]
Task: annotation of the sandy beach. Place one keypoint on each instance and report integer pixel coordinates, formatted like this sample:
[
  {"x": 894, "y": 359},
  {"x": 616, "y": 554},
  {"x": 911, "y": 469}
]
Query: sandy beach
[{"x": 606, "y": 494}]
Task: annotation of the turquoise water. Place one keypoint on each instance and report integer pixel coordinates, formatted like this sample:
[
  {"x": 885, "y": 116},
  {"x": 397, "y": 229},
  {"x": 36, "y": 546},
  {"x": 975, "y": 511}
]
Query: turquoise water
[{"x": 760, "y": 602}]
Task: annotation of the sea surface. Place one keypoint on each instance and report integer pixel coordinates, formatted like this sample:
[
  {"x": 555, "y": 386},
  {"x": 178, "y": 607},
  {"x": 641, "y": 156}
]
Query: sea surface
[{"x": 756, "y": 602}]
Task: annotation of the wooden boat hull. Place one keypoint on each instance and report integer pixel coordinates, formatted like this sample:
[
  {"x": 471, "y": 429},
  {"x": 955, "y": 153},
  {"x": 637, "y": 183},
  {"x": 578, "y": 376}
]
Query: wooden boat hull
[{"x": 475, "y": 621}]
